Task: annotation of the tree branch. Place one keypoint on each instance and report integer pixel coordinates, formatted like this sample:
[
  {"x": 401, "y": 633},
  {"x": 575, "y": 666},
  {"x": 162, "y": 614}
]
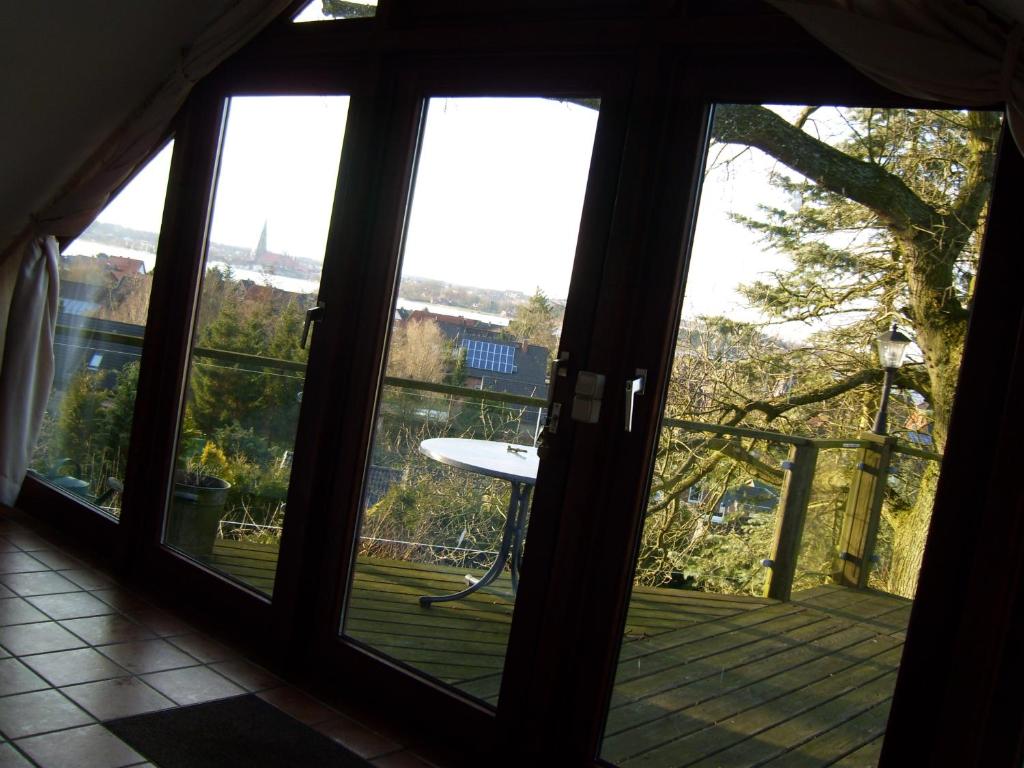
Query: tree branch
[{"x": 864, "y": 182}]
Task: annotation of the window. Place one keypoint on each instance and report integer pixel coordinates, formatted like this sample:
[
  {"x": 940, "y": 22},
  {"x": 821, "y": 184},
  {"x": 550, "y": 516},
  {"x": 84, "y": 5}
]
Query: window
[
  {"x": 328, "y": 10},
  {"x": 105, "y": 281},
  {"x": 279, "y": 168}
]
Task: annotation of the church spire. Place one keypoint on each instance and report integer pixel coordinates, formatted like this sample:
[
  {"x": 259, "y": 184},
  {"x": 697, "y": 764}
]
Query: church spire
[{"x": 261, "y": 247}]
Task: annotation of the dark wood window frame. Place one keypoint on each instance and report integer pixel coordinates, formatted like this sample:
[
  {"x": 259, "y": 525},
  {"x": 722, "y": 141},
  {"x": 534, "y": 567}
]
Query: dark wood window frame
[{"x": 960, "y": 660}]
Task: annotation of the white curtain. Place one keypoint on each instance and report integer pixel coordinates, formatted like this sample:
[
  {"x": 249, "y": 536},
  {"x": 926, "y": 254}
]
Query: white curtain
[
  {"x": 27, "y": 370},
  {"x": 947, "y": 50}
]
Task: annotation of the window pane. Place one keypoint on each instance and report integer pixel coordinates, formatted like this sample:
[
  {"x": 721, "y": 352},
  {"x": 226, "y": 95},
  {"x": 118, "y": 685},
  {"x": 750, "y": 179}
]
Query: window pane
[
  {"x": 491, "y": 238},
  {"x": 794, "y": 478},
  {"x": 279, "y": 168},
  {"x": 105, "y": 280},
  {"x": 328, "y": 10}
]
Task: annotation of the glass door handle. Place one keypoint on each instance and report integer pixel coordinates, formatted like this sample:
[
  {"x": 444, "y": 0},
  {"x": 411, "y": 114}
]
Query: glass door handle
[
  {"x": 313, "y": 315},
  {"x": 634, "y": 386}
]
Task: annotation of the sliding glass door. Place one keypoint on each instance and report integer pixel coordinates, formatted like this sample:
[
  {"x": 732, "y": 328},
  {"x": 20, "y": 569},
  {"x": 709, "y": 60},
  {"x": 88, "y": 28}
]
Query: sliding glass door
[
  {"x": 261, "y": 277},
  {"x": 489, "y": 246},
  {"x": 804, "y": 415},
  {"x": 586, "y": 445}
]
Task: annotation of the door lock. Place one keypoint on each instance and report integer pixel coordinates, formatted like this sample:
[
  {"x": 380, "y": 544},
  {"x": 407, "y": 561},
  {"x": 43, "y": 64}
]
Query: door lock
[{"x": 559, "y": 369}]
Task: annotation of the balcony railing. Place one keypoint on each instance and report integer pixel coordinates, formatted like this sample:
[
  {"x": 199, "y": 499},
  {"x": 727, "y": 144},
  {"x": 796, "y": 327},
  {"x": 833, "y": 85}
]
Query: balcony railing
[{"x": 855, "y": 547}]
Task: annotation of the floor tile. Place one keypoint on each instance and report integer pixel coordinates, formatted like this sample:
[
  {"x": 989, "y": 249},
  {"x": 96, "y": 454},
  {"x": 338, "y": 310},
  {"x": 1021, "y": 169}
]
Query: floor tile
[
  {"x": 121, "y": 697},
  {"x": 15, "y": 610},
  {"x": 38, "y": 638},
  {"x": 110, "y": 628},
  {"x": 20, "y": 562},
  {"x": 57, "y": 559},
  {"x": 404, "y": 759},
  {"x": 45, "y": 583},
  {"x": 87, "y": 578},
  {"x": 5, "y": 592},
  {"x": 246, "y": 674},
  {"x": 30, "y": 713},
  {"x": 15, "y": 677},
  {"x": 84, "y": 665},
  {"x": 299, "y": 705},
  {"x": 202, "y": 647},
  {"x": 90, "y": 747},
  {"x": 11, "y": 758},
  {"x": 121, "y": 599},
  {"x": 27, "y": 540},
  {"x": 71, "y": 605},
  {"x": 160, "y": 622},
  {"x": 144, "y": 656},
  {"x": 357, "y": 738},
  {"x": 192, "y": 685}
]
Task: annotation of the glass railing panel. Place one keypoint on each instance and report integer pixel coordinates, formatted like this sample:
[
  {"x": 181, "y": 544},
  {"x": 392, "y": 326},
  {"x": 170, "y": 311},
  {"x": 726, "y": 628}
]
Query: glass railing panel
[
  {"x": 824, "y": 517},
  {"x": 712, "y": 510},
  {"x": 105, "y": 280},
  {"x": 421, "y": 511}
]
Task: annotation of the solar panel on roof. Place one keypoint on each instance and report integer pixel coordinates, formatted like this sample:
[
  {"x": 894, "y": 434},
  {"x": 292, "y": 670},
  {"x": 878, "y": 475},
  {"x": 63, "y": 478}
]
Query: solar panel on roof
[{"x": 490, "y": 356}]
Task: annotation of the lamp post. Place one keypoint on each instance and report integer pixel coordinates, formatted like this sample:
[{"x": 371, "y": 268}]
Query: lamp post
[{"x": 891, "y": 347}]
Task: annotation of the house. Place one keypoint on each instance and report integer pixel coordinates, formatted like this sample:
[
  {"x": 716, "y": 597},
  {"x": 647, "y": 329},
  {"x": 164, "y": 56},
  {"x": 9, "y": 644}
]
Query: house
[
  {"x": 655, "y": 65},
  {"x": 493, "y": 360}
]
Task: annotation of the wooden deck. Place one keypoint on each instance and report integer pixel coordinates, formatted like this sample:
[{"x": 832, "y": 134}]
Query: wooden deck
[{"x": 703, "y": 680}]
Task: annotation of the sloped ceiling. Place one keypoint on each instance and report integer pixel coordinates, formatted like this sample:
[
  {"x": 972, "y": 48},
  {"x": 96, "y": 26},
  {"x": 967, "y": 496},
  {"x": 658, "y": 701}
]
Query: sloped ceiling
[
  {"x": 1011, "y": 10},
  {"x": 70, "y": 72}
]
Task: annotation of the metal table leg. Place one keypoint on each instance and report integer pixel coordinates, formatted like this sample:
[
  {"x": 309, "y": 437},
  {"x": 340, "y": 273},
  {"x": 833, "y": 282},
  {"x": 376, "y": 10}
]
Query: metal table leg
[{"x": 510, "y": 549}]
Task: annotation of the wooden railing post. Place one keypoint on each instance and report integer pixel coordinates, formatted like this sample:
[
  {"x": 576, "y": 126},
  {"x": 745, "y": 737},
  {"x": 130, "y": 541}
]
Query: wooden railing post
[
  {"x": 789, "y": 524},
  {"x": 863, "y": 511}
]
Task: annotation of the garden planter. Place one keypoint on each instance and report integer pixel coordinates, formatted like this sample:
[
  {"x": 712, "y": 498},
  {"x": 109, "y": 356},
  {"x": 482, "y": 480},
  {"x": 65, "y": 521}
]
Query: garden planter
[{"x": 197, "y": 506}]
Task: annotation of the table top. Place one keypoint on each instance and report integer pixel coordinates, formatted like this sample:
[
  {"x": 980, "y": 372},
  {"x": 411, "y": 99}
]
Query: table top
[{"x": 485, "y": 457}]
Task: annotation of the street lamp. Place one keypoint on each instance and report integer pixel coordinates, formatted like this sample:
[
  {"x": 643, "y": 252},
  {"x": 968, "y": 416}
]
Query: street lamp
[{"x": 891, "y": 347}]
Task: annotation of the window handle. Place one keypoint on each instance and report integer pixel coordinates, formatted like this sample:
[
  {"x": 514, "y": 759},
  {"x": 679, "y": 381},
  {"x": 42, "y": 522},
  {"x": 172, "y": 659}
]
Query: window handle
[
  {"x": 634, "y": 386},
  {"x": 313, "y": 315}
]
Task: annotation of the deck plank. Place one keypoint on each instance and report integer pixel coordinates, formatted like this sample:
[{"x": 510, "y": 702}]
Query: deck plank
[
  {"x": 847, "y": 738},
  {"x": 725, "y": 730},
  {"x": 865, "y": 757},
  {"x": 703, "y": 679}
]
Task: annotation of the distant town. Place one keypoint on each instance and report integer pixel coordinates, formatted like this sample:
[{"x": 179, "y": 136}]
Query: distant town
[{"x": 502, "y": 303}]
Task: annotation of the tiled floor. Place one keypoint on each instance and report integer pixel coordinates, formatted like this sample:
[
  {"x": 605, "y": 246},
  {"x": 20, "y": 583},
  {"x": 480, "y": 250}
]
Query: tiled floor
[{"x": 77, "y": 649}]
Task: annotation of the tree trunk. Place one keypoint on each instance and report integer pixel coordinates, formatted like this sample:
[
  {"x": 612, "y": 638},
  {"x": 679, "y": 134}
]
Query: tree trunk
[
  {"x": 911, "y": 535},
  {"x": 940, "y": 326}
]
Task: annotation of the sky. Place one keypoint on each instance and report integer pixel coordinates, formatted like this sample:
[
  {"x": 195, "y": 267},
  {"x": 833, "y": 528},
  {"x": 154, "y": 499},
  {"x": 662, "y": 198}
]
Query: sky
[
  {"x": 496, "y": 204},
  {"x": 499, "y": 193}
]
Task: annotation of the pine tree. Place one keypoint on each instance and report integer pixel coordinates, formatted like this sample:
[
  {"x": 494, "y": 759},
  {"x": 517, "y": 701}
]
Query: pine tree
[
  {"x": 536, "y": 322},
  {"x": 887, "y": 230}
]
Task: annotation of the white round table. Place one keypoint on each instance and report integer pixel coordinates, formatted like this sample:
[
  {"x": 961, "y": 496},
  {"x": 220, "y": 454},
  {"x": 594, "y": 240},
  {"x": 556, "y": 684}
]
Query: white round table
[{"x": 515, "y": 463}]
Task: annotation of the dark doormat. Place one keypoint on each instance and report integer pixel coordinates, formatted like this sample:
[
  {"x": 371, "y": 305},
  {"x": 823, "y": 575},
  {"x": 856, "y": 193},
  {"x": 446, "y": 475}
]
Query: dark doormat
[{"x": 243, "y": 731}]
